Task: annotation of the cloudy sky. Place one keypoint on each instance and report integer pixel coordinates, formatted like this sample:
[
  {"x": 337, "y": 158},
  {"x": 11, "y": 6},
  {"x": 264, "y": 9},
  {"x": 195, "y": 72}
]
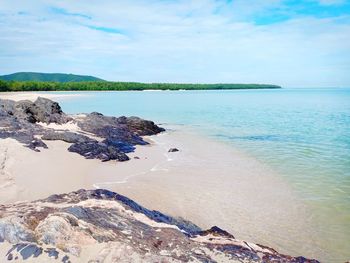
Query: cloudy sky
[{"x": 292, "y": 43}]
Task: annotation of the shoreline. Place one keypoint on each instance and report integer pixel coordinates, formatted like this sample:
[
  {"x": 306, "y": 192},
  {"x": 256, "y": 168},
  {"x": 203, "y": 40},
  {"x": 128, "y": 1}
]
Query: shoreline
[
  {"x": 206, "y": 182},
  {"x": 33, "y": 95},
  {"x": 196, "y": 183}
]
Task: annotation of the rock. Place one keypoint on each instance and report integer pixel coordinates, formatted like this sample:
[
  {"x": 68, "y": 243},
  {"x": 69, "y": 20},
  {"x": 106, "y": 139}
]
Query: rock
[
  {"x": 65, "y": 259},
  {"x": 19, "y": 120},
  {"x": 42, "y": 110},
  {"x": 35, "y": 143},
  {"x": 52, "y": 253},
  {"x": 216, "y": 231},
  {"x": 142, "y": 127},
  {"x": 121, "y": 135},
  {"x": 48, "y": 111},
  {"x": 171, "y": 150},
  {"x": 126, "y": 129},
  {"x": 31, "y": 250},
  {"x": 69, "y": 137},
  {"x": 96, "y": 150},
  {"x": 13, "y": 230},
  {"x": 122, "y": 231},
  {"x": 10, "y": 257}
]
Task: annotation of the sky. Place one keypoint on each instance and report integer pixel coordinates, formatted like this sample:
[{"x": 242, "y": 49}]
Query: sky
[{"x": 286, "y": 42}]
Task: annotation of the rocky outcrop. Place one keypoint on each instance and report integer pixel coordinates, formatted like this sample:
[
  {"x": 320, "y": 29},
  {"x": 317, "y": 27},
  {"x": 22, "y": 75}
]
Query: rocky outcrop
[
  {"x": 70, "y": 137},
  {"x": 97, "y": 123},
  {"x": 42, "y": 110},
  {"x": 113, "y": 228},
  {"x": 101, "y": 151},
  {"x": 98, "y": 137},
  {"x": 48, "y": 111}
]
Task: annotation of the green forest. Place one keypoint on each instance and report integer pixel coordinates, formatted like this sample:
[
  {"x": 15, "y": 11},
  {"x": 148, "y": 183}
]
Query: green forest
[
  {"x": 119, "y": 86},
  {"x": 55, "y": 77}
]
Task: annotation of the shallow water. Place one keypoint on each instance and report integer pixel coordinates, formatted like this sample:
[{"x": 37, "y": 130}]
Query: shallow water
[{"x": 304, "y": 134}]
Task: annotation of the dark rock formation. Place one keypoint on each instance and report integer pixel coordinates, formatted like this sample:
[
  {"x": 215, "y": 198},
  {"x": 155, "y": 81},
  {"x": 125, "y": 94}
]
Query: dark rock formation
[
  {"x": 122, "y": 129},
  {"x": 48, "y": 111},
  {"x": 101, "y": 125},
  {"x": 42, "y": 110},
  {"x": 26, "y": 251},
  {"x": 216, "y": 231},
  {"x": 65, "y": 226},
  {"x": 172, "y": 150},
  {"x": 101, "y": 137},
  {"x": 96, "y": 150},
  {"x": 17, "y": 122},
  {"x": 141, "y": 127},
  {"x": 69, "y": 137},
  {"x": 120, "y": 136}
]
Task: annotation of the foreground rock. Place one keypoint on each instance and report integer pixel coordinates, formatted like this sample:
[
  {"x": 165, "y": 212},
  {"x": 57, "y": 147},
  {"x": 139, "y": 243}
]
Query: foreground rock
[
  {"x": 96, "y": 136},
  {"x": 102, "y": 226}
]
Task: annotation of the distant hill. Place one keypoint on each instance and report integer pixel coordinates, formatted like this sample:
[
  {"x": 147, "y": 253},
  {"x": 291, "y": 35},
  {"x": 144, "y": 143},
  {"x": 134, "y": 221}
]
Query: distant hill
[{"x": 51, "y": 77}]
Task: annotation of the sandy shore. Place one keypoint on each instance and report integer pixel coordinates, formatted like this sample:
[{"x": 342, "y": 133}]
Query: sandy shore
[
  {"x": 205, "y": 182},
  {"x": 32, "y": 96}
]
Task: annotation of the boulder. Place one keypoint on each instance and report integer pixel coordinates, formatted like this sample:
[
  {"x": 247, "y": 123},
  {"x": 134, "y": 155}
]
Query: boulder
[
  {"x": 98, "y": 150},
  {"x": 48, "y": 111},
  {"x": 143, "y": 127},
  {"x": 42, "y": 110}
]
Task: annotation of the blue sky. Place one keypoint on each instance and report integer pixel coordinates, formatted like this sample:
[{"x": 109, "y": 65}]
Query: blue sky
[{"x": 291, "y": 43}]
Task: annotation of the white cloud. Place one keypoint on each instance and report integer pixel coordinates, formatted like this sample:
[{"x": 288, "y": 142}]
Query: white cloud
[
  {"x": 175, "y": 41},
  {"x": 331, "y": 2}
]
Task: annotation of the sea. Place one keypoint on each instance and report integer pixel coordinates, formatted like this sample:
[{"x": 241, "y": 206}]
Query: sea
[{"x": 301, "y": 133}]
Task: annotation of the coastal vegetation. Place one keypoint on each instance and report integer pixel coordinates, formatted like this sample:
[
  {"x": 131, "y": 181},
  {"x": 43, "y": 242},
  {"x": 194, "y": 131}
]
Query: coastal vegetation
[
  {"x": 32, "y": 81},
  {"x": 119, "y": 86}
]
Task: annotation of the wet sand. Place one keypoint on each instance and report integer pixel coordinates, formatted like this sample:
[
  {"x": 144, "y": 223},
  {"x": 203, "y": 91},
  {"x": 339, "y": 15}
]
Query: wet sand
[{"x": 205, "y": 182}]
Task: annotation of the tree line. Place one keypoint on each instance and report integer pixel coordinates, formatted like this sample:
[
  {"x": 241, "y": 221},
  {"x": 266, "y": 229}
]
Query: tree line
[{"x": 119, "y": 86}]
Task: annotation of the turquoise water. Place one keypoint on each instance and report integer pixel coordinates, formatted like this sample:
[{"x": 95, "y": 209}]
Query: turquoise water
[{"x": 304, "y": 134}]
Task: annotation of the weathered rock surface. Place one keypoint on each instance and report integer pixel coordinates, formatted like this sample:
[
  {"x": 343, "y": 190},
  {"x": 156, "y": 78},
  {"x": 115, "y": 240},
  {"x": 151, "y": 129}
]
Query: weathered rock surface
[
  {"x": 42, "y": 110},
  {"x": 66, "y": 226},
  {"x": 96, "y": 150},
  {"x": 100, "y": 137},
  {"x": 97, "y": 123},
  {"x": 67, "y": 136},
  {"x": 172, "y": 150}
]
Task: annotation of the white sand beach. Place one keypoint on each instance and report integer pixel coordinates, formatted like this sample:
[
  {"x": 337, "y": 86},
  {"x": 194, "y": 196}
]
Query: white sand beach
[{"x": 32, "y": 96}]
